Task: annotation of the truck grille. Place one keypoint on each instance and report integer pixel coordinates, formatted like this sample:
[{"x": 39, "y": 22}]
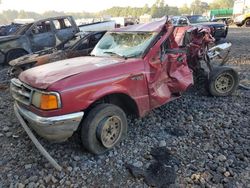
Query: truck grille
[{"x": 21, "y": 92}]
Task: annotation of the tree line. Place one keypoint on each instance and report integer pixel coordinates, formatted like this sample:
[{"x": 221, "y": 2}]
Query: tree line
[{"x": 158, "y": 9}]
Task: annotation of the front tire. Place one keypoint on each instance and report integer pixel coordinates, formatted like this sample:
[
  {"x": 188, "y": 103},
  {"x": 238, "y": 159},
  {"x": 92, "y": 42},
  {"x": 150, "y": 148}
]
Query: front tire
[
  {"x": 247, "y": 23},
  {"x": 223, "y": 81},
  {"x": 103, "y": 128}
]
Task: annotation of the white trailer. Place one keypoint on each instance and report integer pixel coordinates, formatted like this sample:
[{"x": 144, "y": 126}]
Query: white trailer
[{"x": 98, "y": 26}]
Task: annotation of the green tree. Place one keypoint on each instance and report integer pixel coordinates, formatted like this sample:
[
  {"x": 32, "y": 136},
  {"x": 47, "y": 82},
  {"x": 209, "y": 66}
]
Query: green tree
[
  {"x": 145, "y": 9},
  {"x": 198, "y": 7},
  {"x": 154, "y": 10},
  {"x": 217, "y": 4},
  {"x": 185, "y": 9}
]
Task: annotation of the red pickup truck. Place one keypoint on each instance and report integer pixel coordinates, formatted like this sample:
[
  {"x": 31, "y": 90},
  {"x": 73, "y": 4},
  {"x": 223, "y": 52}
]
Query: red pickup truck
[{"x": 131, "y": 70}]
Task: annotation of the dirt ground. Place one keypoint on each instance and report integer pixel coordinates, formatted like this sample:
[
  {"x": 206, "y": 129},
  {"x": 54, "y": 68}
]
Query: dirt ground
[{"x": 201, "y": 141}]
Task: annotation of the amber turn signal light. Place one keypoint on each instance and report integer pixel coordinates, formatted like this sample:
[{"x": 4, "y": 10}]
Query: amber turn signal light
[{"x": 49, "y": 102}]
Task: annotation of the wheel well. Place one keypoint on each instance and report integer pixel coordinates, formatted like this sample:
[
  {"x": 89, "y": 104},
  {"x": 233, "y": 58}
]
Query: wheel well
[
  {"x": 15, "y": 50},
  {"x": 244, "y": 21},
  {"x": 125, "y": 102}
]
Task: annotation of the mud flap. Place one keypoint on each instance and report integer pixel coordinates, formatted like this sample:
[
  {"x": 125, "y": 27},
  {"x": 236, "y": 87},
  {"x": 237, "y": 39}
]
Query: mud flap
[{"x": 36, "y": 142}]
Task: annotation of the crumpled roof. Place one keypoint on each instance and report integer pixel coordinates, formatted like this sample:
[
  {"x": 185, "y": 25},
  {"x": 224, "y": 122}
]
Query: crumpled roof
[{"x": 155, "y": 26}]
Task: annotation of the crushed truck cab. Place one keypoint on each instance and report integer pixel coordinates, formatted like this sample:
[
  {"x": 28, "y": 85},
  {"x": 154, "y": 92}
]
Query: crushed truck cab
[{"x": 131, "y": 71}]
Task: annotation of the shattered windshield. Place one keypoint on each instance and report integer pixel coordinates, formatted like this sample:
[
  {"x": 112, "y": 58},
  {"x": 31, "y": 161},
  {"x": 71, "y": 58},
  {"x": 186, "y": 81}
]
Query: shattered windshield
[
  {"x": 123, "y": 44},
  {"x": 197, "y": 19}
]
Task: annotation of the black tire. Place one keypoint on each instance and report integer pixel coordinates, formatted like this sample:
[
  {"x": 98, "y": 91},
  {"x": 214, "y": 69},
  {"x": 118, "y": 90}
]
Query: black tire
[
  {"x": 230, "y": 22},
  {"x": 223, "y": 81},
  {"x": 96, "y": 123},
  {"x": 14, "y": 54},
  {"x": 247, "y": 22},
  {"x": 2, "y": 58},
  {"x": 201, "y": 81}
]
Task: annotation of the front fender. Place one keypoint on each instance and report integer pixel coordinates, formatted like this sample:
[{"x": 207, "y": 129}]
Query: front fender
[{"x": 108, "y": 90}]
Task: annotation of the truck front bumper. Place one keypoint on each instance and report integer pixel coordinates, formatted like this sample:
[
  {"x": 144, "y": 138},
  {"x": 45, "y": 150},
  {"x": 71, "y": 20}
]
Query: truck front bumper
[{"x": 57, "y": 128}]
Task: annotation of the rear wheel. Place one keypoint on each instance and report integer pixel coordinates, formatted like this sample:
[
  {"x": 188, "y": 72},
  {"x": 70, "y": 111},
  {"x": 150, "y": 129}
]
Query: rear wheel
[
  {"x": 103, "y": 128},
  {"x": 223, "y": 81}
]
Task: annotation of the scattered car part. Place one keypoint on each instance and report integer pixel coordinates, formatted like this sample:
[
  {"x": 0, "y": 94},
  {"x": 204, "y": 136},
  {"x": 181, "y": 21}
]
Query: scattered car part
[{"x": 220, "y": 52}]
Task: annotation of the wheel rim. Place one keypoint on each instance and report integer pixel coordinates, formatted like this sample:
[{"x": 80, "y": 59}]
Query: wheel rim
[
  {"x": 248, "y": 23},
  {"x": 109, "y": 131},
  {"x": 224, "y": 83}
]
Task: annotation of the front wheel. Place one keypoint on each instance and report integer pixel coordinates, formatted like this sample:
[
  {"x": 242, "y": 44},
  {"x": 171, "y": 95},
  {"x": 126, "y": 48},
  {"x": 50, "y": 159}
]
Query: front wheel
[
  {"x": 103, "y": 128},
  {"x": 247, "y": 23},
  {"x": 223, "y": 81}
]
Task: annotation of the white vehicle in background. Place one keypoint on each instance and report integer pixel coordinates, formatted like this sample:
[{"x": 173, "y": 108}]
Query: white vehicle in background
[
  {"x": 98, "y": 26},
  {"x": 23, "y": 21},
  {"x": 241, "y": 12}
]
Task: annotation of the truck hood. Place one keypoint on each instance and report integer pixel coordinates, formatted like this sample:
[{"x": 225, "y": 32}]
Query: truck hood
[
  {"x": 29, "y": 58},
  {"x": 42, "y": 77},
  {"x": 8, "y": 38}
]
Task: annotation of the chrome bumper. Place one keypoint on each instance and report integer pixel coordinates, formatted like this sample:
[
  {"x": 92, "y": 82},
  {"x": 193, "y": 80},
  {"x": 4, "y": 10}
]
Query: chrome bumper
[{"x": 57, "y": 128}]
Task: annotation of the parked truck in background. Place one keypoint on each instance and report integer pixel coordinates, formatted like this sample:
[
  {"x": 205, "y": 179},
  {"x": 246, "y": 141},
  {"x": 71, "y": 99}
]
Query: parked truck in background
[
  {"x": 225, "y": 15},
  {"x": 241, "y": 12}
]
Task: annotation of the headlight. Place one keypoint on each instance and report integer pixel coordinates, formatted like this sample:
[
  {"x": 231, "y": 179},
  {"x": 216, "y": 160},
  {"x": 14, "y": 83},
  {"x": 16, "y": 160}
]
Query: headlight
[{"x": 46, "y": 101}]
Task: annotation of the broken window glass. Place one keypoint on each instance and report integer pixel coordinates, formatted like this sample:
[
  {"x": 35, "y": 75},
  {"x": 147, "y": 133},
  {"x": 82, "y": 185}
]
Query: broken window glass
[
  {"x": 125, "y": 44},
  {"x": 67, "y": 23},
  {"x": 42, "y": 27},
  {"x": 57, "y": 24}
]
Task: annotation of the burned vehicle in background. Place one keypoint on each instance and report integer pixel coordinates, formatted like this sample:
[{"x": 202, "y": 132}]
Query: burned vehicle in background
[
  {"x": 36, "y": 36},
  {"x": 80, "y": 45},
  {"x": 9, "y": 29},
  {"x": 131, "y": 70}
]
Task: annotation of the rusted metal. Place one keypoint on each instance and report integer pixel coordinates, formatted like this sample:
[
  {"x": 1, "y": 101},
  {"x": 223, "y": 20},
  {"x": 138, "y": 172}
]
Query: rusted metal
[
  {"x": 37, "y": 36},
  {"x": 84, "y": 45}
]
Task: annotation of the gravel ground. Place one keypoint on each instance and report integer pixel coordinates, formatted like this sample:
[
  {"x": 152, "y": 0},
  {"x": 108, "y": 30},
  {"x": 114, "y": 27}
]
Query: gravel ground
[{"x": 195, "y": 141}]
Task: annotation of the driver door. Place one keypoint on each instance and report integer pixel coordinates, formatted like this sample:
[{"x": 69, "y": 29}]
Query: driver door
[{"x": 169, "y": 72}]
